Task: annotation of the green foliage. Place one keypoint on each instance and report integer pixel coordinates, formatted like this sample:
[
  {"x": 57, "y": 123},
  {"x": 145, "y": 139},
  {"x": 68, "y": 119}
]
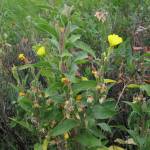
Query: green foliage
[
  {"x": 105, "y": 111},
  {"x": 62, "y": 98},
  {"x": 63, "y": 127},
  {"x": 88, "y": 140}
]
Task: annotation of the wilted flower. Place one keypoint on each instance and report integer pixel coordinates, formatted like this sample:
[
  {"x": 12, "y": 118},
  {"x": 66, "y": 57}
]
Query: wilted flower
[
  {"x": 68, "y": 106},
  {"x": 42, "y": 131},
  {"x": 36, "y": 104},
  {"x": 65, "y": 80},
  {"x": 41, "y": 51},
  {"x": 102, "y": 99},
  {"x": 102, "y": 88},
  {"x": 78, "y": 98},
  {"x": 138, "y": 98},
  {"x": 53, "y": 123},
  {"x": 90, "y": 99},
  {"x": 21, "y": 57},
  {"x": 49, "y": 102},
  {"x": 77, "y": 116},
  {"x": 62, "y": 30},
  {"x": 80, "y": 107},
  {"x": 114, "y": 40},
  {"x": 101, "y": 15}
]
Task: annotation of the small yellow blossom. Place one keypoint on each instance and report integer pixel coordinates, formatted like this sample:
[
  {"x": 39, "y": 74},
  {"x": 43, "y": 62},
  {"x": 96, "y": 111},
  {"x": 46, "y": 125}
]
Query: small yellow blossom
[
  {"x": 21, "y": 57},
  {"x": 84, "y": 78},
  {"x": 36, "y": 104},
  {"x": 66, "y": 136},
  {"x": 22, "y": 94},
  {"x": 95, "y": 73},
  {"x": 114, "y": 40},
  {"x": 65, "y": 80},
  {"x": 78, "y": 98},
  {"x": 41, "y": 51}
]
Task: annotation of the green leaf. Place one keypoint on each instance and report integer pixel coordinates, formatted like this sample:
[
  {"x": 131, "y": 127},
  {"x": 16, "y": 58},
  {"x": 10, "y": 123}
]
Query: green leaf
[
  {"x": 105, "y": 127},
  {"x": 88, "y": 140},
  {"x": 102, "y": 148},
  {"x": 37, "y": 146},
  {"x": 45, "y": 145},
  {"x": 73, "y": 28},
  {"x": 23, "y": 67},
  {"x": 147, "y": 60},
  {"x": 137, "y": 138},
  {"x": 133, "y": 86},
  {"x": 84, "y": 85},
  {"x": 42, "y": 64},
  {"x": 43, "y": 25},
  {"x": 64, "y": 126},
  {"x": 54, "y": 42},
  {"x": 135, "y": 106},
  {"x": 105, "y": 110},
  {"x": 146, "y": 54},
  {"x": 15, "y": 74},
  {"x": 25, "y": 103},
  {"x": 85, "y": 47},
  {"x": 74, "y": 38},
  {"x": 66, "y": 54},
  {"x": 46, "y": 72},
  {"x": 73, "y": 70},
  {"x": 24, "y": 124},
  {"x": 66, "y": 11},
  {"x": 80, "y": 57},
  {"x": 132, "y": 118},
  {"x": 146, "y": 88}
]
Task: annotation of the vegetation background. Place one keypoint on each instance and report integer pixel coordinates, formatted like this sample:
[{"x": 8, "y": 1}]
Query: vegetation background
[{"x": 82, "y": 94}]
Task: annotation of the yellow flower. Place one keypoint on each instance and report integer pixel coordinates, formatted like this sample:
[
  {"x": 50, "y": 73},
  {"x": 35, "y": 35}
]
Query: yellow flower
[
  {"x": 21, "y": 57},
  {"x": 95, "y": 73},
  {"x": 66, "y": 136},
  {"x": 114, "y": 40},
  {"x": 41, "y": 51},
  {"x": 84, "y": 78},
  {"x": 78, "y": 98},
  {"x": 65, "y": 80},
  {"x": 22, "y": 94}
]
